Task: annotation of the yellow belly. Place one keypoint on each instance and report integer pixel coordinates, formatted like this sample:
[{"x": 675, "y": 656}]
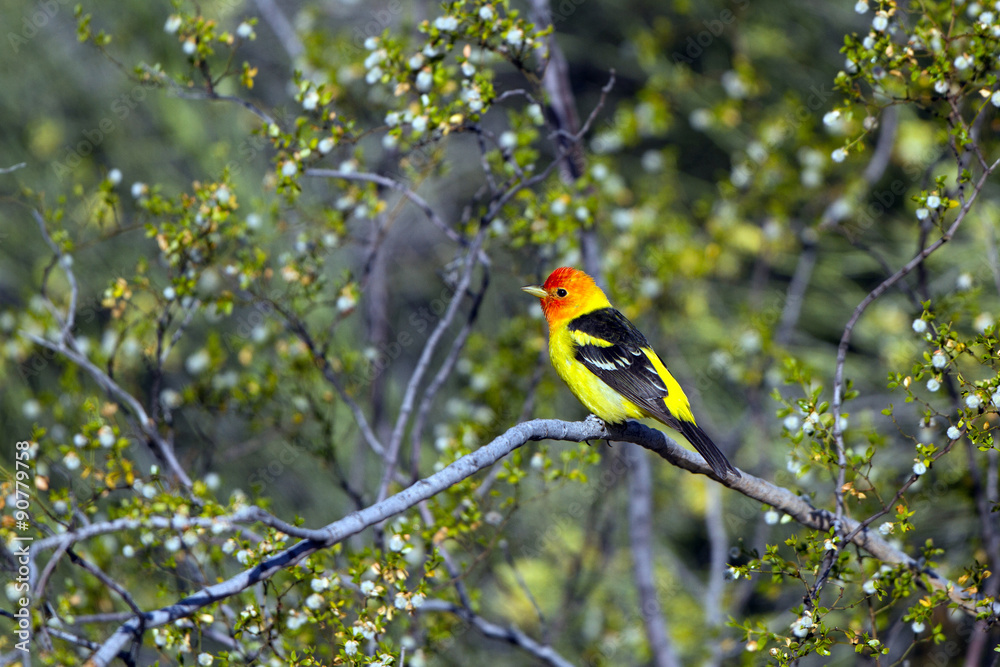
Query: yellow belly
[{"x": 595, "y": 395}]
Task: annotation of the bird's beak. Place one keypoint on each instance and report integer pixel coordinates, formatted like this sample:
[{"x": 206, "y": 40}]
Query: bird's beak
[{"x": 535, "y": 290}]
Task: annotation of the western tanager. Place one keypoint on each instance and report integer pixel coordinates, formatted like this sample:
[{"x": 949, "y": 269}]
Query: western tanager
[{"x": 608, "y": 364}]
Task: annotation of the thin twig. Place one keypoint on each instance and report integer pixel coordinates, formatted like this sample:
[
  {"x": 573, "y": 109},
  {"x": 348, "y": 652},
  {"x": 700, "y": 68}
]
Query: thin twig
[
  {"x": 401, "y": 188},
  {"x": 391, "y": 456},
  {"x": 546, "y": 654},
  {"x": 444, "y": 372},
  {"x": 298, "y": 327}
]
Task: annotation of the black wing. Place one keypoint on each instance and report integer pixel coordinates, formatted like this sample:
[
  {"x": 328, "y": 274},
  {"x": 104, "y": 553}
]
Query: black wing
[{"x": 624, "y": 367}]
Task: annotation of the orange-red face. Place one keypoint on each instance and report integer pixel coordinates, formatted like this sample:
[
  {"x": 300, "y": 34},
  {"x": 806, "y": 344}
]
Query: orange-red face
[{"x": 566, "y": 294}]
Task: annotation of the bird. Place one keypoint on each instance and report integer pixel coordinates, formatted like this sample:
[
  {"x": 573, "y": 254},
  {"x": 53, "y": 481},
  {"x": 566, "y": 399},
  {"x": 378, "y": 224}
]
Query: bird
[{"x": 609, "y": 365}]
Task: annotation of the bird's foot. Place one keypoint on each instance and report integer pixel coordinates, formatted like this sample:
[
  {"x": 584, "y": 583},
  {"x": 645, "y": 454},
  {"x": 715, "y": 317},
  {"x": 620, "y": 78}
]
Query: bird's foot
[{"x": 594, "y": 419}]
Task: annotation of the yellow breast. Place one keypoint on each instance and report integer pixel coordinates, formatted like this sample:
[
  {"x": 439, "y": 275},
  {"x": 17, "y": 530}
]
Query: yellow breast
[{"x": 595, "y": 395}]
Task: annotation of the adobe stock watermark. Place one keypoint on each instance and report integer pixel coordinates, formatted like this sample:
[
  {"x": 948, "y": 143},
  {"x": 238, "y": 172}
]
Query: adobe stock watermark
[
  {"x": 696, "y": 44},
  {"x": 378, "y": 20},
  {"x": 32, "y": 23},
  {"x": 121, "y": 107}
]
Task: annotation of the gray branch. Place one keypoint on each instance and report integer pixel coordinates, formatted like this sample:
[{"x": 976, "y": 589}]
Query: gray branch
[
  {"x": 658, "y": 442},
  {"x": 640, "y": 530}
]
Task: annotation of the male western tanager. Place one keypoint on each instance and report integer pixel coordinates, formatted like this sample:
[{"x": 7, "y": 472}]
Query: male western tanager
[{"x": 608, "y": 364}]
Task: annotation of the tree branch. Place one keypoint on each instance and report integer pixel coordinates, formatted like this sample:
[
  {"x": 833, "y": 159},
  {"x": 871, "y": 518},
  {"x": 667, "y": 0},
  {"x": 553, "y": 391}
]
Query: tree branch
[
  {"x": 658, "y": 442},
  {"x": 546, "y": 654},
  {"x": 640, "y": 529}
]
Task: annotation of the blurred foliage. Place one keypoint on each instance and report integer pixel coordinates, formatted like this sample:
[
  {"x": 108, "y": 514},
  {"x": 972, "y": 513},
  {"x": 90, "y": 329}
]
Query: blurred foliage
[{"x": 256, "y": 217}]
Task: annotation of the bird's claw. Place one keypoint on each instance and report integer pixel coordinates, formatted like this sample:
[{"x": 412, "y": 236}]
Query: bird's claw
[{"x": 594, "y": 419}]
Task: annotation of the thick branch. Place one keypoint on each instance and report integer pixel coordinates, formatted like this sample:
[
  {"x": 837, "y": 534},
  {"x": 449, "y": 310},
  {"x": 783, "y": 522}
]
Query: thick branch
[{"x": 539, "y": 429}]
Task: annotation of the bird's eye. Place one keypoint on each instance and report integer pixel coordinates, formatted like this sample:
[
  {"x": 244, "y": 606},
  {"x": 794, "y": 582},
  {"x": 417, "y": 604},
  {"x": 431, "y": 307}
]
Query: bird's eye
[{"x": 561, "y": 292}]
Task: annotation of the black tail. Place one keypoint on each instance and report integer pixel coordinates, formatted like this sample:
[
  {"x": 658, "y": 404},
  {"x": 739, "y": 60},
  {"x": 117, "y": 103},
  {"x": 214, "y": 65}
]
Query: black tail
[{"x": 720, "y": 464}]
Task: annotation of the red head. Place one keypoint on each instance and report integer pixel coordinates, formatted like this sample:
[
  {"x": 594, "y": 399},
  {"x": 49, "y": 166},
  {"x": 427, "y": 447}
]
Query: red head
[{"x": 566, "y": 294}]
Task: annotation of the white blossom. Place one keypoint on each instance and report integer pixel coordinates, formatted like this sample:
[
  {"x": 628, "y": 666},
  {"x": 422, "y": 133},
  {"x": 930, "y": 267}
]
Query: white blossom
[
  {"x": 800, "y": 628},
  {"x": 173, "y": 24},
  {"x": 886, "y": 528},
  {"x": 310, "y": 100},
  {"x": 771, "y": 517},
  {"x": 917, "y": 627},
  {"x": 954, "y": 433},
  {"x": 368, "y": 587},
  {"x": 839, "y": 155},
  {"x": 933, "y": 385},
  {"x": 515, "y": 37},
  {"x": 289, "y": 168},
  {"x": 326, "y": 145},
  {"x": 933, "y": 201},
  {"x": 972, "y": 401},
  {"x": 446, "y": 23},
  {"x": 792, "y": 423},
  {"x": 963, "y": 61},
  {"x": 919, "y": 325},
  {"x": 106, "y": 437},
  {"x": 861, "y": 6},
  {"x": 244, "y": 30},
  {"x": 939, "y": 360},
  {"x": 425, "y": 80},
  {"x": 869, "y": 587},
  {"x": 919, "y": 468},
  {"x": 346, "y": 302},
  {"x": 205, "y": 659},
  {"x": 995, "y": 99},
  {"x": 880, "y": 22},
  {"x": 115, "y": 176},
  {"x": 350, "y": 647},
  {"x": 190, "y": 46},
  {"x": 486, "y": 12},
  {"x": 314, "y": 601}
]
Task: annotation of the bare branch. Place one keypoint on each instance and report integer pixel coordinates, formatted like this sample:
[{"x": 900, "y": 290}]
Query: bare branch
[
  {"x": 423, "y": 363},
  {"x": 444, "y": 372},
  {"x": 146, "y": 425},
  {"x": 282, "y": 28},
  {"x": 546, "y": 654},
  {"x": 658, "y": 442},
  {"x": 838, "y": 377},
  {"x": 640, "y": 523},
  {"x": 401, "y": 188}
]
